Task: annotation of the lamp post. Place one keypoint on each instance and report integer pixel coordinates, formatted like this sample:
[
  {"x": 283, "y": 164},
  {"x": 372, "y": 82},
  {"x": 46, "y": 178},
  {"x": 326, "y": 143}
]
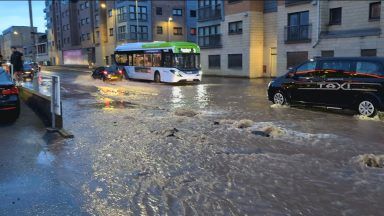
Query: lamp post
[
  {"x": 21, "y": 38},
  {"x": 169, "y": 25}
]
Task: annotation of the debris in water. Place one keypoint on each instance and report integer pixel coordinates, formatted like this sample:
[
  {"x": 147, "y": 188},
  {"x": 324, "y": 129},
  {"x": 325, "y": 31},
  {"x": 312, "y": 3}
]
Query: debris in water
[
  {"x": 244, "y": 123},
  {"x": 273, "y": 131},
  {"x": 260, "y": 133},
  {"x": 225, "y": 121},
  {"x": 371, "y": 160},
  {"x": 169, "y": 132},
  {"x": 185, "y": 112},
  {"x": 99, "y": 189},
  {"x": 378, "y": 117},
  {"x": 278, "y": 106}
]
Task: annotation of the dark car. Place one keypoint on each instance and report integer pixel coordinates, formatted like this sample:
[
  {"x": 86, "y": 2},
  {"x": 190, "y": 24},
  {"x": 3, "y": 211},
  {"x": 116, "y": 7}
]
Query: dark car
[
  {"x": 9, "y": 98},
  {"x": 352, "y": 83},
  {"x": 28, "y": 71},
  {"x": 108, "y": 73},
  {"x": 35, "y": 66}
]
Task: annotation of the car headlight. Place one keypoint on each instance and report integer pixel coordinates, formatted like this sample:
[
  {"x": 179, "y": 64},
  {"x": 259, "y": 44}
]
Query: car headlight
[{"x": 200, "y": 73}]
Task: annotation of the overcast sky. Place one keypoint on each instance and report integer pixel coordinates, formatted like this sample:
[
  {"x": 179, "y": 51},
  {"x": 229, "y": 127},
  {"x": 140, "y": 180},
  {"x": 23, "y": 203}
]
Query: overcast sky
[{"x": 16, "y": 13}]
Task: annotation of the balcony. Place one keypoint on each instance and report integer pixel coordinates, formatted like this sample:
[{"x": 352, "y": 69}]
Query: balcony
[
  {"x": 122, "y": 17},
  {"x": 209, "y": 13},
  {"x": 122, "y": 36},
  {"x": 298, "y": 34},
  {"x": 296, "y": 2},
  {"x": 210, "y": 41}
]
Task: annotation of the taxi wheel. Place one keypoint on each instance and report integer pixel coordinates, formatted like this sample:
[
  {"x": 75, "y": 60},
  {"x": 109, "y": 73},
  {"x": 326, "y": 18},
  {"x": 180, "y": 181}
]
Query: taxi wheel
[
  {"x": 367, "y": 107},
  {"x": 279, "y": 98}
]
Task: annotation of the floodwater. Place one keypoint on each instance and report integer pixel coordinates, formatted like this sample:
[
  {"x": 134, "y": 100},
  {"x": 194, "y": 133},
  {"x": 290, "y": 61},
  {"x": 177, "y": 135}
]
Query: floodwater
[{"x": 155, "y": 149}]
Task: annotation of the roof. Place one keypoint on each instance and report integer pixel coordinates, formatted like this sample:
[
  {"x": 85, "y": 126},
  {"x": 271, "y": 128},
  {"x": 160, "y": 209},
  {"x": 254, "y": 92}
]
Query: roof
[
  {"x": 174, "y": 45},
  {"x": 381, "y": 59}
]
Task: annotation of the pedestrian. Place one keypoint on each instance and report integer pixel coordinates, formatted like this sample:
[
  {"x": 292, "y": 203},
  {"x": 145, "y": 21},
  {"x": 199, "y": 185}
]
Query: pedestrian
[{"x": 17, "y": 62}]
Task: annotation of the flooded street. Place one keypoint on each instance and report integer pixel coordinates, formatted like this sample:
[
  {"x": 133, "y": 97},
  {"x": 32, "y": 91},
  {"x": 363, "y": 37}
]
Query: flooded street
[{"x": 214, "y": 148}]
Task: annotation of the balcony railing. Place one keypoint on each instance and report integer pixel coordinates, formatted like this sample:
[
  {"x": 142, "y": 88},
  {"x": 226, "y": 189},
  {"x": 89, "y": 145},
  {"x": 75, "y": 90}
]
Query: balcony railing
[
  {"x": 298, "y": 34},
  {"x": 296, "y": 2},
  {"x": 122, "y": 36},
  {"x": 122, "y": 17},
  {"x": 210, "y": 41},
  {"x": 209, "y": 13}
]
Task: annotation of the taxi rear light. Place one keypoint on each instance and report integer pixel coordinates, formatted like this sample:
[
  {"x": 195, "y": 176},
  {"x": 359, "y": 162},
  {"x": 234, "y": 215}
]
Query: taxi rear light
[
  {"x": 120, "y": 72},
  {"x": 11, "y": 91},
  {"x": 105, "y": 72}
]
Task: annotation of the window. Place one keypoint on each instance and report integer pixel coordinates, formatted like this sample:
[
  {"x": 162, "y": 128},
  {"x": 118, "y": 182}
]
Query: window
[
  {"x": 177, "y": 31},
  {"x": 193, "y": 31},
  {"x": 110, "y": 13},
  {"x": 142, "y": 33},
  {"x": 308, "y": 66},
  {"x": 142, "y": 12},
  {"x": 192, "y": 13},
  {"x": 374, "y": 11},
  {"x": 214, "y": 61},
  {"x": 88, "y": 36},
  {"x": 121, "y": 32},
  {"x": 327, "y": 53},
  {"x": 177, "y": 12},
  {"x": 209, "y": 36},
  {"x": 97, "y": 20},
  {"x": 121, "y": 14},
  {"x": 98, "y": 34},
  {"x": 148, "y": 60},
  {"x": 235, "y": 27},
  {"x": 335, "y": 16},
  {"x": 233, "y": 1},
  {"x": 369, "y": 68},
  {"x": 81, "y": 6},
  {"x": 296, "y": 58},
  {"x": 87, "y": 20},
  {"x": 368, "y": 52},
  {"x": 298, "y": 28},
  {"x": 157, "y": 60},
  {"x": 111, "y": 32},
  {"x": 337, "y": 65},
  {"x": 159, "y": 30},
  {"x": 86, "y": 5},
  {"x": 138, "y": 59},
  {"x": 235, "y": 61},
  {"x": 159, "y": 11}
]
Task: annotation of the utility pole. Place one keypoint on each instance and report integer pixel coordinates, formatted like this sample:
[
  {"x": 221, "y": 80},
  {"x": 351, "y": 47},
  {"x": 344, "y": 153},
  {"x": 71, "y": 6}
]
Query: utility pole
[{"x": 32, "y": 31}]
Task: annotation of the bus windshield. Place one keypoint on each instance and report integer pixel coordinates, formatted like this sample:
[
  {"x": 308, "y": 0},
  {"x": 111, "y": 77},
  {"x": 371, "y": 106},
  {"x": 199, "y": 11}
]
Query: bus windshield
[{"x": 190, "y": 61}]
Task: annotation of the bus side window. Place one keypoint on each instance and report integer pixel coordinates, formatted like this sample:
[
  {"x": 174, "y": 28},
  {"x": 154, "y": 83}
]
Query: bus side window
[
  {"x": 167, "y": 60},
  {"x": 138, "y": 60},
  {"x": 157, "y": 60},
  {"x": 148, "y": 60}
]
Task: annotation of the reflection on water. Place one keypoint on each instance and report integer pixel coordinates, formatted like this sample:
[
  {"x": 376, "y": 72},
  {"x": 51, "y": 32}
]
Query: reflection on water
[
  {"x": 177, "y": 97},
  {"x": 45, "y": 158}
]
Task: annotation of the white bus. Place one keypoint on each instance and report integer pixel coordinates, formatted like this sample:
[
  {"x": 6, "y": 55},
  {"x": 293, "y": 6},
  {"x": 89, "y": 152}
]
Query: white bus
[{"x": 169, "y": 62}]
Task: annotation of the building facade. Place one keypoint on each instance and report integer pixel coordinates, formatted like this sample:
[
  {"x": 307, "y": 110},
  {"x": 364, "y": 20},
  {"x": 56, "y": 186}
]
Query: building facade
[
  {"x": 237, "y": 37},
  {"x": 19, "y": 37},
  {"x": 83, "y": 32},
  {"x": 308, "y": 29}
]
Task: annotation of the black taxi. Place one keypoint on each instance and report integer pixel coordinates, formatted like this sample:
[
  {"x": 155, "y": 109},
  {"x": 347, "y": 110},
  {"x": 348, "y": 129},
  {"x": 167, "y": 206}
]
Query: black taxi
[{"x": 345, "y": 82}]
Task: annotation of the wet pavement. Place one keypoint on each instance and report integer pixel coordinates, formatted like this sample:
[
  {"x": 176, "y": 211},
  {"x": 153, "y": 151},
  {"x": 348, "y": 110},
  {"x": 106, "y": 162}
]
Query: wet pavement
[{"x": 214, "y": 148}]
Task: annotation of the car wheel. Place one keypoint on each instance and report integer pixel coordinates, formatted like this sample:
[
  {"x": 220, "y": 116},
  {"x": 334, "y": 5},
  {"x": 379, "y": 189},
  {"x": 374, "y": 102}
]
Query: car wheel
[
  {"x": 278, "y": 98},
  {"x": 157, "y": 78},
  {"x": 367, "y": 107}
]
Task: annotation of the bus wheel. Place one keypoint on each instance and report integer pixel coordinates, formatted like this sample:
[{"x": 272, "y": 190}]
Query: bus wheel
[{"x": 157, "y": 78}]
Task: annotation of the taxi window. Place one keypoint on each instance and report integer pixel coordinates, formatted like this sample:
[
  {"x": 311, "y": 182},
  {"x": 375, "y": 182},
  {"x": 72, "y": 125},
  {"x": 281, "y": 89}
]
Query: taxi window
[
  {"x": 306, "y": 70},
  {"x": 337, "y": 65},
  {"x": 369, "y": 68},
  {"x": 4, "y": 77}
]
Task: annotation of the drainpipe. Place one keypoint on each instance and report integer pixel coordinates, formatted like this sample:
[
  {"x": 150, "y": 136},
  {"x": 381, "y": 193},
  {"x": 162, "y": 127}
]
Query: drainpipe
[{"x": 318, "y": 24}]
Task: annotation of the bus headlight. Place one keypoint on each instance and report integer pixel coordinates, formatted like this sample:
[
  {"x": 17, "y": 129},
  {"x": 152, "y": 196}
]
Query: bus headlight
[
  {"x": 175, "y": 72},
  {"x": 200, "y": 73}
]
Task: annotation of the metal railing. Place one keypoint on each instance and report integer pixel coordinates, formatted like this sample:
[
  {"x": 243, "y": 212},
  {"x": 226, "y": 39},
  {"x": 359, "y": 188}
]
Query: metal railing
[
  {"x": 209, "y": 13},
  {"x": 301, "y": 33},
  {"x": 210, "y": 41}
]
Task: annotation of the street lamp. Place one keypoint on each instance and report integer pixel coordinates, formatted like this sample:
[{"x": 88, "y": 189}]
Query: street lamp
[
  {"x": 169, "y": 24},
  {"x": 103, "y": 5}
]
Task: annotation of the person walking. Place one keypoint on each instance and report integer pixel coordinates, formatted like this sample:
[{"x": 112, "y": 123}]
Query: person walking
[{"x": 17, "y": 62}]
